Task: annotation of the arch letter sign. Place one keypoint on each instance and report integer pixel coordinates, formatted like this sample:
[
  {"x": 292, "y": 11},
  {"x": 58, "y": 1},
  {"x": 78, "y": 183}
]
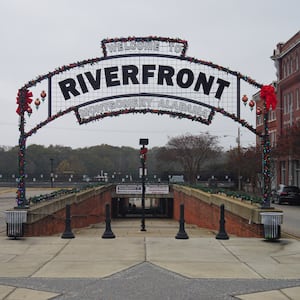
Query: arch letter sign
[{"x": 134, "y": 75}]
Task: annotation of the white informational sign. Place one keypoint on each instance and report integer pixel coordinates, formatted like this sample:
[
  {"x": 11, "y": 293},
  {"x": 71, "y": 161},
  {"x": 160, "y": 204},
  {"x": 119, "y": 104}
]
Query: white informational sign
[
  {"x": 137, "y": 189},
  {"x": 157, "y": 189},
  {"x": 129, "y": 189}
]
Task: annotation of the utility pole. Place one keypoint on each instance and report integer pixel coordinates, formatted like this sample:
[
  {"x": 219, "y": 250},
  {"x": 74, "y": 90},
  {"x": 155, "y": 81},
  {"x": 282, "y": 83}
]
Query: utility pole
[{"x": 239, "y": 158}]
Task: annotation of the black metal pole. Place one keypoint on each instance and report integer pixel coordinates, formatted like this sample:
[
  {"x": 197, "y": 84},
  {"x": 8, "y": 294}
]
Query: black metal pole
[
  {"x": 181, "y": 235},
  {"x": 238, "y": 97},
  {"x": 68, "y": 234},
  {"x": 49, "y": 96},
  {"x": 222, "y": 235},
  {"x": 143, "y": 193},
  {"x": 108, "y": 234}
]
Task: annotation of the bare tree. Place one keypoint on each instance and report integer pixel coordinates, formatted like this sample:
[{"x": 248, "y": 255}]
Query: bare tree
[
  {"x": 192, "y": 152},
  {"x": 246, "y": 162}
]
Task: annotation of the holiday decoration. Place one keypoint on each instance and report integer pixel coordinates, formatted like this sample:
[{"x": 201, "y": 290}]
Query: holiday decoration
[
  {"x": 267, "y": 93},
  {"x": 251, "y": 104},
  {"x": 37, "y": 103},
  {"x": 24, "y": 99},
  {"x": 144, "y": 111},
  {"x": 245, "y": 99},
  {"x": 43, "y": 95},
  {"x": 29, "y": 111},
  {"x": 143, "y": 153}
]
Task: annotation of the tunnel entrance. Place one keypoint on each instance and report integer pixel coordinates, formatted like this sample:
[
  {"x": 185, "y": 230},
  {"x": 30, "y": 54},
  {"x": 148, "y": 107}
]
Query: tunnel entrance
[{"x": 132, "y": 207}]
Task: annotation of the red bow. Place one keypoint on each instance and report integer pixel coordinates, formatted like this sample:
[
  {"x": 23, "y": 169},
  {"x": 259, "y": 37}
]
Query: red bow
[
  {"x": 267, "y": 93},
  {"x": 143, "y": 153},
  {"x": 26, "y": 104}
]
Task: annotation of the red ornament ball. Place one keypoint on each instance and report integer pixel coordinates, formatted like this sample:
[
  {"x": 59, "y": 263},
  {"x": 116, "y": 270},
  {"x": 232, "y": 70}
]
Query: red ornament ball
[
  {"x": 245, "y": 99},
  {"x": 251, "y": 103},
  {"x": 43, "y": 94},
  {"x": 37, "y": 102}
]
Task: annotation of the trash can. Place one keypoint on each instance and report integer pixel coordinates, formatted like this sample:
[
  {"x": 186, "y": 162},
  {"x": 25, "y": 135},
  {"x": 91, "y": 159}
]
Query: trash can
[
  {"x": 15, "y": 220},
  {"x": 272, "y": 222}
]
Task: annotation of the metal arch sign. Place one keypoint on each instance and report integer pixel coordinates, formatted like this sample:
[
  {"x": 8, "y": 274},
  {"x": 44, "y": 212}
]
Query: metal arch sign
[
  {"x": 134, "y": 75},
  {"x": 144, "y": 70},
  {"x": 142, "y": 75},
  {"x": 136, "y": 84}
]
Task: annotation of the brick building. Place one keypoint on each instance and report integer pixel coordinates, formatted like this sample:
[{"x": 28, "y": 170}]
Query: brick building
[{"x": 286, "y": 56}]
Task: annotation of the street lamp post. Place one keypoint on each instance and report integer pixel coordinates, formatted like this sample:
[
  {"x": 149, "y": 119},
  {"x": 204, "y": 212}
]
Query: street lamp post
[{"x": 143, "y": 153}]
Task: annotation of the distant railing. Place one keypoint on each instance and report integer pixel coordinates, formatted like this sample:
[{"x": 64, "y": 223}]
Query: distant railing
[
  {"x": 61, "y": 192},
  {"x": 243, "y": 196}
]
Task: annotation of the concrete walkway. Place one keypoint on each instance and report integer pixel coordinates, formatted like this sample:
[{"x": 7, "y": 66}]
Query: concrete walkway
[{"x": 148, "y": 265}]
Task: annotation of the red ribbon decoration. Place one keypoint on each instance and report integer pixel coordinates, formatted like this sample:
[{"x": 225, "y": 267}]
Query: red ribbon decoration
[
  {"x": 267, "y": 93},
  {"x": 143, "y": 153},
  {"x": 26, "y": 105}
]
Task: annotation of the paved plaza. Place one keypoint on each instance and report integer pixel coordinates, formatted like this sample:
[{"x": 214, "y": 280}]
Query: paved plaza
[{"x": 148, "y": 265}]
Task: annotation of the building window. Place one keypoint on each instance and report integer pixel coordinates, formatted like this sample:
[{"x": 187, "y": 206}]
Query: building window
[
  {"x": 259, "y": 120},
  {"x": 297, "y": 99},
  {"x": 288, "y": 103},
  {"x": 272, "y": 115},
  {"x": 291, "y": 108},
  {"x": 272, "y": 135},
  {"x": 284, "y": 104},
  {"x": 284, "y": 69}
]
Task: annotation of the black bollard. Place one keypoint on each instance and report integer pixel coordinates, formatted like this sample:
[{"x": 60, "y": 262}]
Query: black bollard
[
  {"x": 68, "y": 234},
  {"x": 108, "y": 234},
  {"x": 181, "y": 235},
  {"x": 222, "y": 235}
]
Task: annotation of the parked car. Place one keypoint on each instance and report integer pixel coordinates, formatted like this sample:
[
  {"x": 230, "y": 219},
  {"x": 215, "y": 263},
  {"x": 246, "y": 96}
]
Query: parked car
[
  {"x": 287, "y": 194},
  {"x": 275, "y": 193}
]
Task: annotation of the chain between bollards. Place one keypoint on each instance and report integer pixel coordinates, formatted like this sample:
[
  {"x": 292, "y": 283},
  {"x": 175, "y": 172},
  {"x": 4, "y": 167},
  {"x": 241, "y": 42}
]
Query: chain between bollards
[
  {"x": 108, "y": 234},
  {"x": 181, "y": 235},
  {"x": 222, "y": 235},
  {"x": 68, "y": 234}
]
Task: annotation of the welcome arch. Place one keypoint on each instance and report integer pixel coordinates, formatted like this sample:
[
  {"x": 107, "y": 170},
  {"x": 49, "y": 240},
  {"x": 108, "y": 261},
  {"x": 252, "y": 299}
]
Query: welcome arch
[{"x": 138, "y": 75}]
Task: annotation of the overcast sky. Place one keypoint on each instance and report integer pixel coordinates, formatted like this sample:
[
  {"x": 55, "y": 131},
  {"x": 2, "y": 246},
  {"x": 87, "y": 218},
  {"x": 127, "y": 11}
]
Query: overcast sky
[{"x": 39, "y": 35}]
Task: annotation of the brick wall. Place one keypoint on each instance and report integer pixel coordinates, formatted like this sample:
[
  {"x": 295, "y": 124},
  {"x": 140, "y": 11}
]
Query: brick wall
[
  {"x": 201, "y": 209},
  {"x": 84, "y": 212},
  {"x": 207, "y": 215}
]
